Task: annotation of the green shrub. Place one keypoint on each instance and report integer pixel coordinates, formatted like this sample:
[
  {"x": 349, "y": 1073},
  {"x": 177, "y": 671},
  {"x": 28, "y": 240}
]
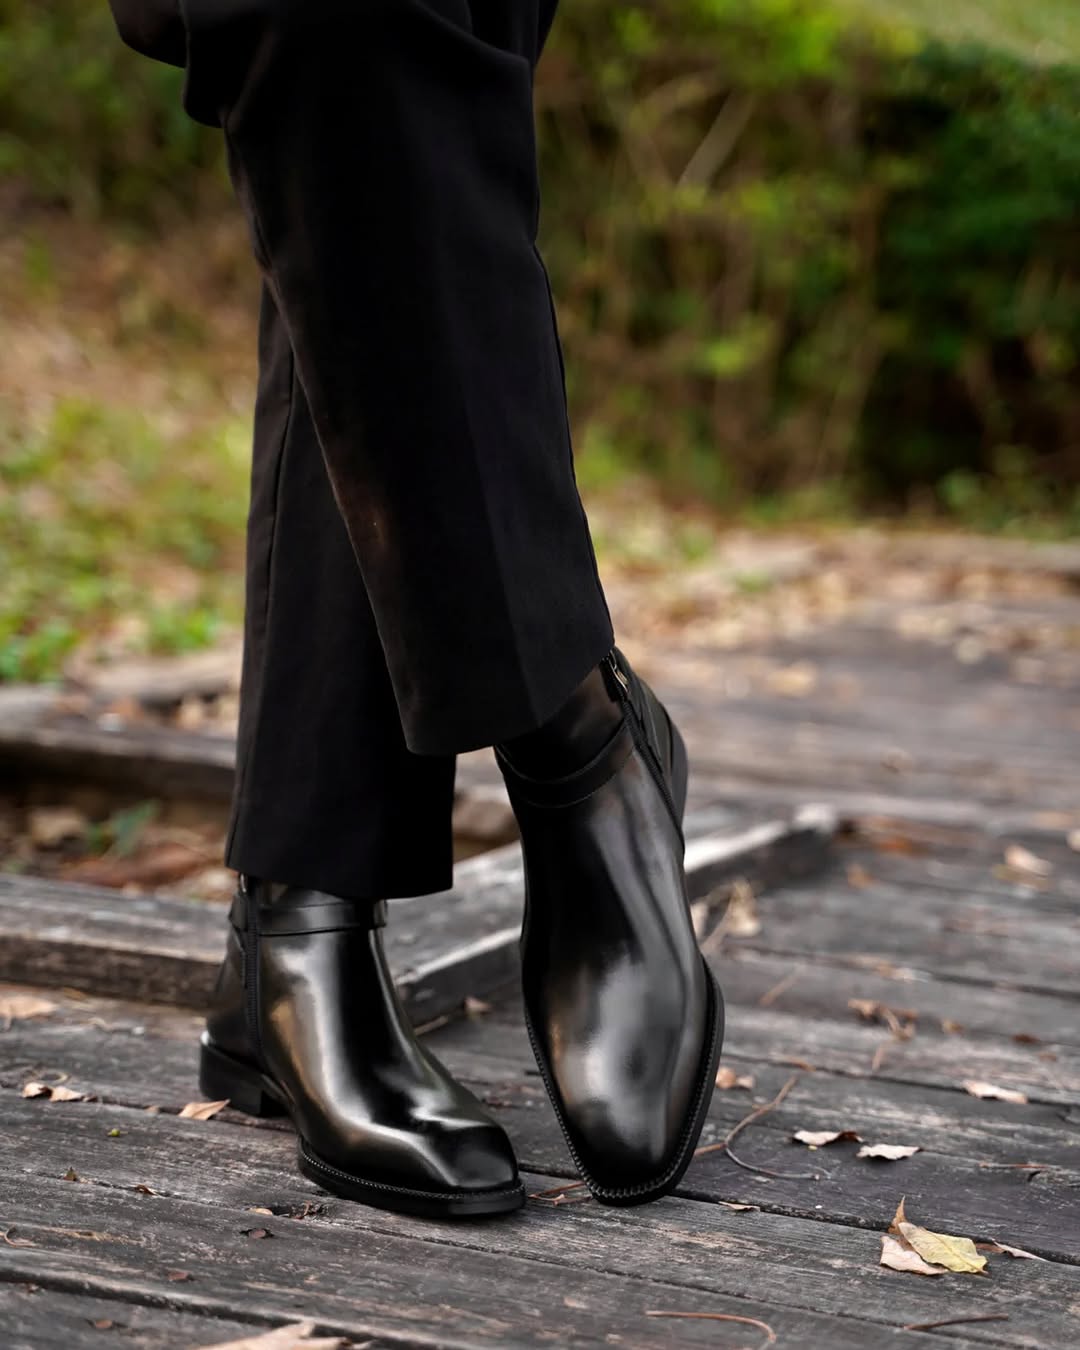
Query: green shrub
[
  {"x": 790, "y": 252},
  {"x": 792, "y": 246},
  {"x": 88, "y": 125}
]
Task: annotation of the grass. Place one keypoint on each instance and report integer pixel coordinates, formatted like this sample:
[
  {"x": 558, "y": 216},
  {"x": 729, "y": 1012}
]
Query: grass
[{"x": 116, "y": 533}]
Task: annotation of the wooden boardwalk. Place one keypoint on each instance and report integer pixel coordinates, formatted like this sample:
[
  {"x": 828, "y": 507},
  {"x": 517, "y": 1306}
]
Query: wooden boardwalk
[{"x": 932, "y": 941}]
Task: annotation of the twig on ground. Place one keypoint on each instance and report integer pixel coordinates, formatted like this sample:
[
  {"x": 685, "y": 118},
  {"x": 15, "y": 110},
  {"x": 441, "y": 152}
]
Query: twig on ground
[
  {"x": 724, "y": 1145},
  {"x": 771, "y": 995},
  {"x": 770, "y": 1335},
  {"x": 557, "y": 1195},
  {"x": 955, "y": 1321}
]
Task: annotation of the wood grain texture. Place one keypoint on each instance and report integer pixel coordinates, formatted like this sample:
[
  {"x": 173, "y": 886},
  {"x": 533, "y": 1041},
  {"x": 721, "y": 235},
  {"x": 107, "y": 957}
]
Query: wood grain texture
[
  {"x": 573, "y": 1273},
  {"x": 441, "y": 948},
  {"x": 965, "y": 1177}
]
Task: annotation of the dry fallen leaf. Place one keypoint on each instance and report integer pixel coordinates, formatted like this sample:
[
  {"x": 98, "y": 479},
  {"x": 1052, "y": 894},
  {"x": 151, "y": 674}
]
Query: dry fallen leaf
[
  {"x": 889, "y": 1152},
  {"x": 177, "y": 1276},
  {"x": 17, "y": 1007},
  {"x": 53, "y": 1092},
  {"x": 1003, "y": 1249},
  {"x": 296, "y": 1337},
  {"x": 727, "y": 1078},
  {"x": 991, "y": 1090},
  {"x": 71, "y": 1175},
  {"x": 51, "y": 826},
  {"x": 794, "y": 681},
  {"x": 203, "y": 1110},
  {"x": 858, "y": 877},
  {"x": 741, "y": 917},
  {"x": 898, "y": 1255},
  {"x": 900, "y": 1021},
  {"x": 940, "y": 1249},
  {"x": 143, "y": 1189},
  {"x": 951, "y": 1028},
  {"x": 1073, "y": 840},
  {"x": 66, "y": 1094},
  {"x": 819, "y": 1138},
  {"x": 733, "y": 1204},
  {"x": 1020, "y": 859},
  {"x": 474, "y": 1007}
]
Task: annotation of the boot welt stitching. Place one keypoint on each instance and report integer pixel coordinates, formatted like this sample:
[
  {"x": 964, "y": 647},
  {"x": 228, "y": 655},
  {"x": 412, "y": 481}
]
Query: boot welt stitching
[{"x": 489, "y": 1194}]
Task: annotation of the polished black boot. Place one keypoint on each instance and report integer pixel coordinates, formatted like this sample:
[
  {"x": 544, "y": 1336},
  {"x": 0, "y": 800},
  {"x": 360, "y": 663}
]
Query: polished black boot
[
  {"x": 623, "y": 1012},
  {"x": 306, "y": 1022}
]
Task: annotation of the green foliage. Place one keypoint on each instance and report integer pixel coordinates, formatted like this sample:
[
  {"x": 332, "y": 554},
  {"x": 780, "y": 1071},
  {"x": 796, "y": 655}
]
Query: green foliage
[
  {"x": 89, "y": 125},
  {"x": 811, "y": 263},
  {"x": 104, "y": 519},
  {"x": 807, "y": 256}
]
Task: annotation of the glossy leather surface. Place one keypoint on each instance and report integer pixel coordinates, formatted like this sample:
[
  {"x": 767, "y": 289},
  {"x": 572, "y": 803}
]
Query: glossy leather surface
[
  {"x": 319, "y": 1021},
  {"x": 617, "y": 995}
]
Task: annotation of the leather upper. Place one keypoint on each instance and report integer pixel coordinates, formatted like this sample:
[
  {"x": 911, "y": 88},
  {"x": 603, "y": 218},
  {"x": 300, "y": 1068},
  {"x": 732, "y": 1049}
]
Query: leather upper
[
  {"x": 616, "y": 992},
  {"x": 318, "y": 1014}
]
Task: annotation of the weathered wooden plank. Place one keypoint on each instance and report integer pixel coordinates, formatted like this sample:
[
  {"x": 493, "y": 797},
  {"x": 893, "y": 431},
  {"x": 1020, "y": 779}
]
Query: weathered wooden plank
[
  {"x": 1057, "y": 892},
  {"x": 984, "y": 937},
  {"x": 441, "y": 948},
  {"x": 37, "y": 1318},
  {"x": 681, "y": 1250},
  {"x": 811, "y": 988},
  {"x": 416, "y": 1291},
  {"x": 146, "y": 1056}
]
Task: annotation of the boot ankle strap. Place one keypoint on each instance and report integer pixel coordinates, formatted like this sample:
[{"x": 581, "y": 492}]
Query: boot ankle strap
[{"x": 299, "y": 910}]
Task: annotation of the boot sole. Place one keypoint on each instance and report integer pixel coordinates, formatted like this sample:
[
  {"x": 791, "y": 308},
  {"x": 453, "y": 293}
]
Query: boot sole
[{"x": 246, "y": 1089}]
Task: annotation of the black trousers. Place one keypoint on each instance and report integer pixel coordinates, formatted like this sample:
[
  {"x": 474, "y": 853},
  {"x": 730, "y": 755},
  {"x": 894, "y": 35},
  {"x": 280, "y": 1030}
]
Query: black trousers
[{"x": 420, "y": 577}]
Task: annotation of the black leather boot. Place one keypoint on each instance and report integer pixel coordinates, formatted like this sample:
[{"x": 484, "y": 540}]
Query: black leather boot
[
  {"x": 623, "y": 1012},
  {"x": 306, "y": 1022}
]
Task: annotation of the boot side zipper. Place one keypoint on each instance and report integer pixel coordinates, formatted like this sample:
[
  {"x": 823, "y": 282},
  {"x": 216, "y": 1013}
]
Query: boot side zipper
[{"x": 641, "y": 740}]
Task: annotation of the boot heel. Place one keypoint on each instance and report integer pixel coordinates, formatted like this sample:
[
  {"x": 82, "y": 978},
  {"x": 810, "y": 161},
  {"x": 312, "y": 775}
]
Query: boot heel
[{"x": 221, "y": 1076}]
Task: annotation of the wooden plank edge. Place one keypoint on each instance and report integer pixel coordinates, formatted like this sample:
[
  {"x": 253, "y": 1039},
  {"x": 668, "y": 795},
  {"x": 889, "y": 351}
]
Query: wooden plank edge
[{"x": 764, "y": 854}]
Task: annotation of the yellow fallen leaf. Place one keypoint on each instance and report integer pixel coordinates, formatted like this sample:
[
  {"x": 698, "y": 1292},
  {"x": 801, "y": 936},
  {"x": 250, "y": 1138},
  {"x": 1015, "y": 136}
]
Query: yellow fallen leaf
[
  {"x": 898, "y": 1255},
  {"x": 890, "y": 1152},
  {"x": 991, "y": 1090},
  {"x": 203, "y": 1110},
  {"x": 943, "y": 1249},
  {"x": 819, "y": 1138},
  {"x": 940, "y": 1249}
]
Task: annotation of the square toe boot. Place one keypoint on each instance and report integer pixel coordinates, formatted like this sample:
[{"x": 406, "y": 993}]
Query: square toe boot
[
  {"x": 625, "y": 1017},
  {"x": 306, "y": 1022}
]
